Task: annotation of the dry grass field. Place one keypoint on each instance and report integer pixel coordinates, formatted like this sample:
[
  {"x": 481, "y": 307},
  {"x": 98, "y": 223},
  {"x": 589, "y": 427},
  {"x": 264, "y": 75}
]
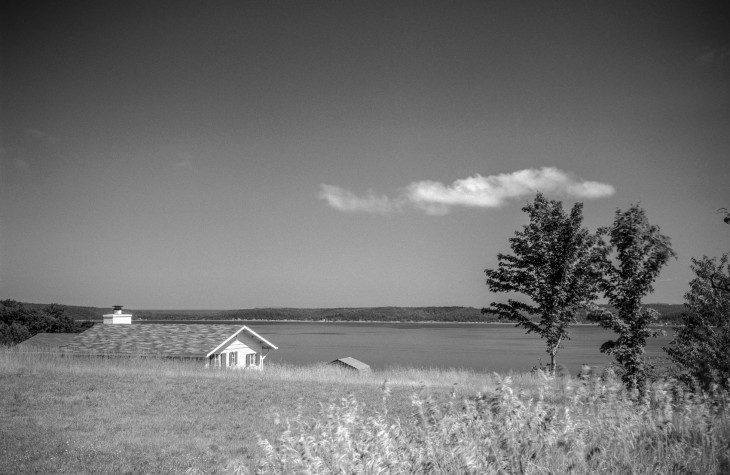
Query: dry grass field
[{"x": 92, "y": 415}]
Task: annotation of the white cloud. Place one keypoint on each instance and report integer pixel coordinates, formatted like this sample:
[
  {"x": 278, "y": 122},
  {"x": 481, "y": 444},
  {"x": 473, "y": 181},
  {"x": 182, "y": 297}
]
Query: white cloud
[
  {"x": 477, "y": 191},
  {"x": 344, "y": 200}
]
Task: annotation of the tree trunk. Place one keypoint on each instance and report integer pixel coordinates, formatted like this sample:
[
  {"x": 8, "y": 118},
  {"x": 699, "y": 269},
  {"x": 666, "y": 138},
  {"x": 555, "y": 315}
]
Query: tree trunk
[
  {"x": 552, "y": 363},
  {"x": 553, "y": 352}
]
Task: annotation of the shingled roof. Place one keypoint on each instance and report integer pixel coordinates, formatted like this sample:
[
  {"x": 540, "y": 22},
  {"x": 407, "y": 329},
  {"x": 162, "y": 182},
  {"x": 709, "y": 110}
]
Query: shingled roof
[
  {"x": 173, "y": 340},
  {"x": 351, "y": 363},
  {"x": 47, "y": 340}
]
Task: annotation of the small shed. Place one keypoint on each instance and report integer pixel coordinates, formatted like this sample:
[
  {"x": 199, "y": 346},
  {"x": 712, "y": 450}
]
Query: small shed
[{"x": 352, "y": 364}]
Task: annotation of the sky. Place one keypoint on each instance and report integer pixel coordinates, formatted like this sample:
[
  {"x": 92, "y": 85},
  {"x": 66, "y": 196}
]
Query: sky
[{"x": 240, "y": 154}]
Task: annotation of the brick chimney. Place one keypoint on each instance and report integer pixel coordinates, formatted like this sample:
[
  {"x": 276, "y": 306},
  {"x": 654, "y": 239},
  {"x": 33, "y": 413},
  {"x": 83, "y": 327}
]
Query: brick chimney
[{"x": 118, "y": 318}]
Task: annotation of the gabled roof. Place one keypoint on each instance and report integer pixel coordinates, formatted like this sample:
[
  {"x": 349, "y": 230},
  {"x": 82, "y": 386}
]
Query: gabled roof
[
  {"x": 174, "y": 340},
  {"x": 352, "y": 363},
  {"x": 48, "y": 340},
  {"x": 265, "y": 344}
]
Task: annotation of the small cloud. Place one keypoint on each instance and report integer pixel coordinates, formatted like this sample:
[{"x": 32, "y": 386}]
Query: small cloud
[
  {"x": 478, "y": 191},
  {"x": 344, "y": 200},
  {"x": 184, "y": 164}
]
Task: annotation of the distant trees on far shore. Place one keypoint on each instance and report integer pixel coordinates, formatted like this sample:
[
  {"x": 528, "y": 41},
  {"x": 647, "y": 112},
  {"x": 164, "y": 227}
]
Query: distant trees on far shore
[
  {"x": 669, "y": 314},
  {"x": 357, "y": 314}
]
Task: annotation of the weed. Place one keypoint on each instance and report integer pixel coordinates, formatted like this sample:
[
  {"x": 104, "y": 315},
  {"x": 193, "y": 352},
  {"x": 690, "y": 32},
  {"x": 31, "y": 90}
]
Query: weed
[{"x": 599, "y": 427}]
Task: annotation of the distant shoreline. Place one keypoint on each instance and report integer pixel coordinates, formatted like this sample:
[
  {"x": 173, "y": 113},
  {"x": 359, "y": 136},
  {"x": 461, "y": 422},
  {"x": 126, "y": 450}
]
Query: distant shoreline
[
  {"x": 380, "y": 322},
  {"x": 669, "y": 315}
]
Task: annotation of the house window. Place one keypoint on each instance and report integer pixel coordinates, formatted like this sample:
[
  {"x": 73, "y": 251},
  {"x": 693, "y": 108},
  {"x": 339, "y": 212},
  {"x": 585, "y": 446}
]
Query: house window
[
  {"x": 233, "y": 358},
  {"x": 223, "y": 360},
  {"x": 251, "y": 359}
]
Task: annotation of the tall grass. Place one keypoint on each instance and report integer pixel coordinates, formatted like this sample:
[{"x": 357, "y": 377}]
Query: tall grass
[
  {"x": 599, "y": 428},
  {"x": 466, "y": 380}
]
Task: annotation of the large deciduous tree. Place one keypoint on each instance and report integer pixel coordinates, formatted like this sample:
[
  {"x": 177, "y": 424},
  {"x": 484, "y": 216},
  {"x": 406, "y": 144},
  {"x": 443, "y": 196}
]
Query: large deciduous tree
[
  {"x": 630, "y": 262},
  {"x": 701, "y": 346},
  {"x": 552, "y": 264}
]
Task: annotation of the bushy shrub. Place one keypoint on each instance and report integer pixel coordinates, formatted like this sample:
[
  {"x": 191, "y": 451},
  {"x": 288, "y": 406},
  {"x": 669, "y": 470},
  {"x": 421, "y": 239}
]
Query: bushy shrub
[
  {"x": 18, "y": 322},
  {"x": 700, "y": 346},
  {"x": 13, "y": 334}
]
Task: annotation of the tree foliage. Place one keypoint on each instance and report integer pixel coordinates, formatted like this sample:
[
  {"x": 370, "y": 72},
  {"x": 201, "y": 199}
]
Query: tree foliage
[
  {"x": 18, "y": 322},
  {"x": 552, "y": 264},
  {"x": 701, "y": 346},
  {"x": 630, "y": 262}
]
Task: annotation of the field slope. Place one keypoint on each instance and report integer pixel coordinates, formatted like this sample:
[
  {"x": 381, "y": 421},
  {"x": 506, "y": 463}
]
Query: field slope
[{"x": 93, "y": 415}]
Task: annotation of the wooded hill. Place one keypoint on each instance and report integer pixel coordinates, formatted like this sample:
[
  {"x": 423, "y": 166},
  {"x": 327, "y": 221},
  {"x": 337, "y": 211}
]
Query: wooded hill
[{"x": 669, "y": 314}]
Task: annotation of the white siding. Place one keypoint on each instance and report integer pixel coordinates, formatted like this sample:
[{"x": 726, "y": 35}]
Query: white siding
[
  {"x": 243, "y": 349},
  {"x": 248, "y": 350}
]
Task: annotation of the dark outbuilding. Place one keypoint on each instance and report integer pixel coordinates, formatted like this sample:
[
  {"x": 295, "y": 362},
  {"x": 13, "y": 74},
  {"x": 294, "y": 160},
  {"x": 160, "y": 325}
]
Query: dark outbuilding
[{"x": 352, "y": 364}]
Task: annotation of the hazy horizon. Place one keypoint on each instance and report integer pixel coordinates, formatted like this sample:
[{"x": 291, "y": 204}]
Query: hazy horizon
[
  {"x": 229, "y": 155},
  {"x": 129, "y": 309}
]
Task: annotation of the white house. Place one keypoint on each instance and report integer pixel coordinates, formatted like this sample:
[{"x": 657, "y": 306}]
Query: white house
[
  {"x": 243, "y": 349},
  {"x": 217, "y": 345}
]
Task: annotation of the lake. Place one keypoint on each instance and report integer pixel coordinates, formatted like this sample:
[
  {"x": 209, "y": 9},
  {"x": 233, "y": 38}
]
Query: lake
[{"x": 477, "y": 346}]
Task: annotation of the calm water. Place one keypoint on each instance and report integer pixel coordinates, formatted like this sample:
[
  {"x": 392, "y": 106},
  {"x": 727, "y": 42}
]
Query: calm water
[{"x": 481, "y": 347}]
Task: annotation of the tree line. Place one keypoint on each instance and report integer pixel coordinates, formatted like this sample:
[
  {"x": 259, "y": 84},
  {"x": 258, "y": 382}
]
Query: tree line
[
  {"x": 19, "y": 322},
  {"x": 362, "y": 314},
  {"x": 560, "y": 268},
  {"x": 668, "y": 314}
]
